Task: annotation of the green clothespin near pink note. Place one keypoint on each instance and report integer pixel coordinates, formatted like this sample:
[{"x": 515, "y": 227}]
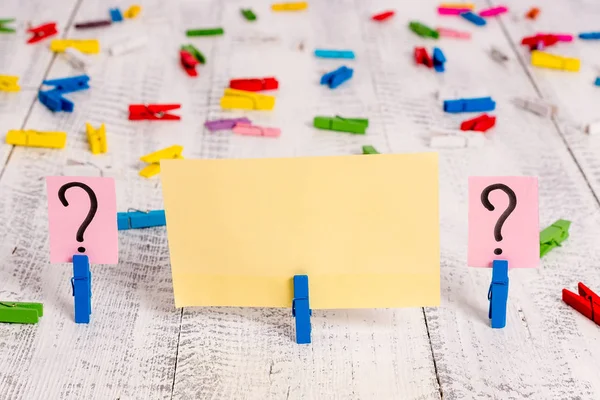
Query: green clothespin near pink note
[
  {"x": 20, "y": 313},
  {"x": 6, "y": 29},
  {"x": 553, "y": 236},
  {"x": 369, "y": 150}
]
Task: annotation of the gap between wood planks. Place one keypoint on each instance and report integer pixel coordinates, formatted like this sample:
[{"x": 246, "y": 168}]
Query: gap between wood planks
[{"x": 48, "y": 68}]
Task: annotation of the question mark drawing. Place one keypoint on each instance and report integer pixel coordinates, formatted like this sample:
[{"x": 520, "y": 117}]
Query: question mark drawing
[
  {"x": 91, "y": 213},
  {"x": 512, "y": 204}
]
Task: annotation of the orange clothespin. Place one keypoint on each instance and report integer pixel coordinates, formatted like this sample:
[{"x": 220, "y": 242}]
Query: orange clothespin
[
  {"x": 533, "y": 13},
  {"x": 42, "y": 32}
]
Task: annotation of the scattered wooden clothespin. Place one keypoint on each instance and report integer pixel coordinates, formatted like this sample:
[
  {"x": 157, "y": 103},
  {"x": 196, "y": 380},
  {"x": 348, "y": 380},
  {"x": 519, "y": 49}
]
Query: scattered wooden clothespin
[
  {"x": 254, "y": 84},
  {"x": 473, "y": 18},
  {"x": 536, "y": 106},
  {"x": 335, "y": 78},
  {"x": 422, "y": 57},
  {"x": 20, "y": 313},
  {"x": 54, "y": 100},
  {"x": 88, "y": 46},
  {"x": 115, "y": 15},
  {"x": 453, "y": 33},
  {"x": 30, "y": 138},
  {"x": 4, "y": 28},
  {"x": 132, "y": 12},
  {"x": 498, "y": 56},
  {"x": 93, "y": 24},
  {"x": 153, "y": 112},
  {"x": 438, "y": 60},
  {"x": 301, "y": 309},
  {"x": 188, "y": 62},
  {"x": 532, "y": 13},
  {"x": 452, "y": 11},
  {"x": 498, "y": 293},
  {"x": 140, "y": 219},
  {"x": 96, "y": 138},
  {"x": 82, "y": 288},
  {"x": 493, "y": 11},
  {"x": 369, "y": 150},
  {"x": 562, "y": 37},
  {"x": 205, "y": 32},
  {"x": 298, "y": 6},
  {"x": 197, "y": 54},
  {"x": 547, "y": 60},
  {"x": 383, "y": 16},
  {"x": 76, "y": 58},
  {"x": 553, "y": 236},
  {"x": 241, "y": 99},
  {"x": 455, "y": 139},
  {"x": 469, "y": 105},
  {"x": 589, "y": 36},
  {"x": 586, "y": 302},
  {"x": 9, "y": 83},
  {"x": 248, "y": 14},
  {"x": 540, "y": 41},
  {"x": 478, "y": 124},
  {"x": 423, "y": 30},
  {"x": 344, "y": 54},
  {"x": 42, "y": 32},
  {"x": 350, "y": 125},
  {"x": 247, "y": 129},
  {"x": 169, "y": 153},
  {"x": 224, "y": 124}
]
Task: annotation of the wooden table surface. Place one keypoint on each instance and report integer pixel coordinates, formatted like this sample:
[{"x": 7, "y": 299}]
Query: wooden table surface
[{"x": 139, "y": 346}]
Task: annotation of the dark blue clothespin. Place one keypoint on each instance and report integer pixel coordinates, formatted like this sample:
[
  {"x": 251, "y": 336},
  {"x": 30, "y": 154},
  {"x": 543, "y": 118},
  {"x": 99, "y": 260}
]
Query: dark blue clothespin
[
  {"x": 301, "y": 309},
  {"x": 54, "y": 100},
  {"x": 474, "y": 18},
  {"x": 438, "y": 60},
  {"x": 335, "y": 78},
  {"x": 82, "y": 288},
  {"x": 498, "y": 293},
  {"x": 140, "y": 219},
  {"x": 479, "y": 104},
  {"x": 68, "y": 85},
  {"x": 589, "y": 35},
  {"x": 115, "y": 15}
]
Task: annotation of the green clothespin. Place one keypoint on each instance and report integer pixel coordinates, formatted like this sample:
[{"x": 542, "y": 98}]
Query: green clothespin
[
  {"x": 248, "y": 14},
  {"x": 204, "y": 32},
  {"x": 350, "y": 125},
  {"x": 20, "y": 313},
  {"x": 423, "y": 30},
  {"x": 194, "y": 52},
  {"x": 553, "y": 236},
  {"x": 369, "y": 150},
  {"x": 6, "y": 29}
]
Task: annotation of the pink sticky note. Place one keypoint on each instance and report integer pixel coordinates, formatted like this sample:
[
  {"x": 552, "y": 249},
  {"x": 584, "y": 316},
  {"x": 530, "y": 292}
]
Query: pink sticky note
[
  {"x": 99, "y": 239},
  {"x": 517, "y": 239}
]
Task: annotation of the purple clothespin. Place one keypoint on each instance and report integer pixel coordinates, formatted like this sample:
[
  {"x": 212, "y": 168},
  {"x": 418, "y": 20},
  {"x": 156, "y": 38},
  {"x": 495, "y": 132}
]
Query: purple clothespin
[{"x": 224, "y": 124}]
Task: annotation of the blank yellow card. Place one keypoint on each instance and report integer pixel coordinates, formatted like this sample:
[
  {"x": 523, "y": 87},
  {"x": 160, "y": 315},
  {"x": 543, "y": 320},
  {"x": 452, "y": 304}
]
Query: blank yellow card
[{"x": 364, "y": 229}]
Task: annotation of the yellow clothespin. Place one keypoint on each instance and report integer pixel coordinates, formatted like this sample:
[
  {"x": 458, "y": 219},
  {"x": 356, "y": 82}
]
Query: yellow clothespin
[
  {"x": 245, "y": 100},
  {"x": 547, "y": 60},
  {"x": 301, "y": 5},
  {"x": 9, "y": 83},
  {"x": 29, "y": 138},
  {"x": 132, "y": 11},
  {"x": 96, "y": 138},
  {"x": 91, "y": 46},
  {"x": 169, "y": 153},
  {"x": 470, "y": 6}
]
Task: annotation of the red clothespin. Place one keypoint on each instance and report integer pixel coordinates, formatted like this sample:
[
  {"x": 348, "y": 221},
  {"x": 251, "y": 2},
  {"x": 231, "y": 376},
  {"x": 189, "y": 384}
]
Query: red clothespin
[
  {"x": 534, "y": 41},
  {"x": 188, "y": 62},
  {"x": 479, "y": 124},
  {"x": 152, "y": 112},
  {"x": 254, "y": 84},
  {"x": 422, "y": 57},
  {"x": 586, "y": 302},
  {"x": 383, "y": 16},
  {"x": 42, "y": 32}
]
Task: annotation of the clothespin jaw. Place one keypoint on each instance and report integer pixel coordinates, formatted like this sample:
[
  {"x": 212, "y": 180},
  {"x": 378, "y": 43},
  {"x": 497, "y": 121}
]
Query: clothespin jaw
[
  {"x": 245, "y": 100},
  {"x": 82, "y": 288},
  {"x": 42, "y": 32},
  {"x": 369, "y": 150},
  {"x": 4, "y": 28},
  {"x": 422, "y": 57},
  {"x": 54, "y": 101},
  {"x": 132, "y": 12},
  {"x": 586, "y": 302},
  {"x": 498, "y": 293},
  {"x": 115, "y": 15},
  {"x": 254, "y": 84},
  {"x": 29, "y": 138},
  {"x": 439, "y": 59},
  {"x": 197, "y": 54},
  {"x": 68, "y": 85},
  {"x": 96, "y": 138},
  {"x": 20, "y": 313},
  {"x": 153, "y": 112},
  {"x": 9, "y": 83},
  {"x": 335, "y": 78},
  {"x": 301, "y": 309},
  {"x": 553, "y": 236},
  {"x": 173, "y": 152},
  {"x": 139, "y": 219},
  {"x": 349, "y": 125}
]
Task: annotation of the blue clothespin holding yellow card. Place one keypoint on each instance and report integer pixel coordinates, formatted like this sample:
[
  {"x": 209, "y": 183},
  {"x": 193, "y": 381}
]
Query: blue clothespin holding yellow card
[
  {"x": 82, "y": 288},
  {"x": 498, "y": 293},
  {"x": 140, "y": 219},
  {"x": 301, "y": 309}
]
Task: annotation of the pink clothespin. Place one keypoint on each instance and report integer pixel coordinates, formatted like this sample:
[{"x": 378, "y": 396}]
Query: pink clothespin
[
  {"x": 446, "y": 32},
  {"x": 493, "y": 11},
  {"x": 247, "y": 129}
]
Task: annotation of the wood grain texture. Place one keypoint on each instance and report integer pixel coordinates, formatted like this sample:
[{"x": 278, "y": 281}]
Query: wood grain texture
[{"x": 139, "y": 346}]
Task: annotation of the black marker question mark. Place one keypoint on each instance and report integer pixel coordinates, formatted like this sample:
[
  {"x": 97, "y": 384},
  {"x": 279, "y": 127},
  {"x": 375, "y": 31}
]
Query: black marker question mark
[
  {"x": 91, "y": 213},
  {"x": 512, "y": 204}
]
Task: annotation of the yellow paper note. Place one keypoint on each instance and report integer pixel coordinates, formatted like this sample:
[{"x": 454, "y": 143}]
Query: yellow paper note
[{"x": 364, "y": 229}]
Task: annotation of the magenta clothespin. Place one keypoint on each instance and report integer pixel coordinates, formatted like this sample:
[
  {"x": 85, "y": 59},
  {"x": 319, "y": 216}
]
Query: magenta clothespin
[
  {"x": 493, "y": 11},
  {"x": 452, "y": 11},
  {"x": 447, "y": 32},
  {"x": 562, "y": 37}
]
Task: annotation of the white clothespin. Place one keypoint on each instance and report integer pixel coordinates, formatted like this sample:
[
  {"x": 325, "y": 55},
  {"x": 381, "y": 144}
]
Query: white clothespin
[
  {"x": 455, "y": 139},
  {"x": 593, "y": 128},
  {"x": 128, "y": 45},
  {"x": 498, "y": 56},
  {"x": 536, "y": 106},
  {"x": 76, "y": 58}
]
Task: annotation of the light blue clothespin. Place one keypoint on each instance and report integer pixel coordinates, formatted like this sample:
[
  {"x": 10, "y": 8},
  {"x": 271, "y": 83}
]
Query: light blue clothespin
[
  {"x": 498, "y": 293},
  {"x": 140, "y": 219},
  {"x": 347, "y": 54}
]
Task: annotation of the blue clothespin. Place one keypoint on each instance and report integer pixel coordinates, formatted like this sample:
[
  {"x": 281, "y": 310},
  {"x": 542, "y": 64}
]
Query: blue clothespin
[
  {"x": 335, "y": 78},
  {"x": 498, "y": 293},
  {"x": 68, "y": 85},
  {"x": 474, "y": 18},
  {"x": 82, "y": 288},
  {"x": 115, "y": 15},
  {"x": 140, "y": 219},
  {"x": 469, "y": 105},
  {"x": 438, "y": 60},
  {"x": 301, "y": 309},
  {"x": 54, "y": 100},
  {"x": 597, "y": 83},
  {"x": 589, "y": 35},
  {"x": 347, "y": 54}
]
